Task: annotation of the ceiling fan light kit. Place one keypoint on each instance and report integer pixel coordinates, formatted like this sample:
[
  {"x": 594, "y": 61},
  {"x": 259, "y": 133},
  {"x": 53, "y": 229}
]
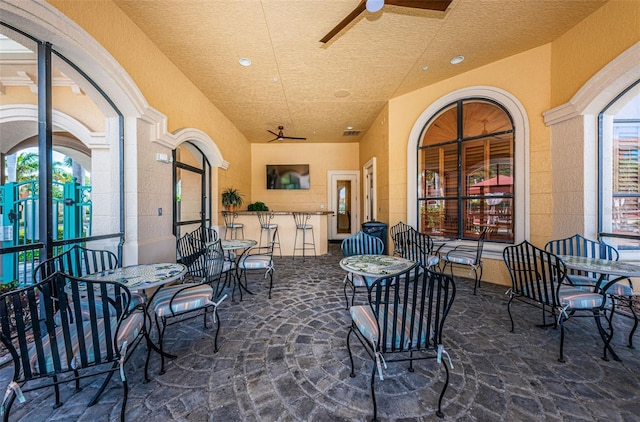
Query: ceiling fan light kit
[{"x": 374, "y": 5}]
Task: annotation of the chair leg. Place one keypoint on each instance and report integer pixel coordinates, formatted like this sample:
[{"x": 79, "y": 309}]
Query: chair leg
[
  {"x": 635, "y": 323},
  {"x": 58, "y": 403},
  {"x": 346, "y": 299},
  {"x": 352, "y": 374},
  {"x": 373, "y": 391},
  {"x": 509, "y": 311},
  {"x": 125, "y": 387},
  {"x": 95, "y": 398},
  {"x": 444, "y": 389},
  {"x": 561, "y": 359},
  {"x": 215, "y": 340},
  {"x": 8, "y": 404}
]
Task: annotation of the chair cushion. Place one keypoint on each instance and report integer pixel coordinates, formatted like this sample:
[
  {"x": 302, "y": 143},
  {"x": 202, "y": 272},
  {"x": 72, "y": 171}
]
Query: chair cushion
[
  {"x": 195, "y": 297},
  {"x": 577, "y": 298},
  {"x": 131, "y": 327},
  {"x": 588, "y": 283},
  {"x": 255, "y": 262},
  {"x": 361, "y": 281},
  {"x": 365, "y": 321},
  {"x": 460, "y": 257}
]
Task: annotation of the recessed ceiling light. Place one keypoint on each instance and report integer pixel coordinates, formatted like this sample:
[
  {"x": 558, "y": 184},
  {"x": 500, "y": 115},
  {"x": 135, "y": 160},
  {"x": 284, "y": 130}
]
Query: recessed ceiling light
[
  {"x": 244, "y": 62},
  {"x": 425, "y": 67},
  {"x": 341, "y": 93},
  {"x": 457, "y": 59},
  {"x": 349, "y": 127},
  {"x": 275, "y": 79}
]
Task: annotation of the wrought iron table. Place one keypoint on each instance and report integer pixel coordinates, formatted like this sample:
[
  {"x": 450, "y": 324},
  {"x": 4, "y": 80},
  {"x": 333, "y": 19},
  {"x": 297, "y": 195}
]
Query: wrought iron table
[{"x": 375, "y": 266}]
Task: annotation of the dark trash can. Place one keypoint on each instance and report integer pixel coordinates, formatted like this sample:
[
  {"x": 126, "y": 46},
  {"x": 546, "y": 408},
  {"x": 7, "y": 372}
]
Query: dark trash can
[{"x": 377, "y": 229}]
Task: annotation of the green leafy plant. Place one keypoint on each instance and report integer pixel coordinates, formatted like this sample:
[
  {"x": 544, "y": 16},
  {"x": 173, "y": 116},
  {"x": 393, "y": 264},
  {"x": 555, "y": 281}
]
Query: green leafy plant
[
  {"x": 257, "y": 206},
  {"x": 232, "y": 198},
  {"x": 7, "y": 287}
]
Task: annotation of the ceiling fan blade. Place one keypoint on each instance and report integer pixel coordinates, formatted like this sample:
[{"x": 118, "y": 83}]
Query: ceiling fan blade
[
  {"x": 346, "y": 21},
  {"x": 273, "y": 133},
  {"x": 274, "y": 139},
  {"x": 292, "y": 137},
  {"x": 439, "y": 5}
]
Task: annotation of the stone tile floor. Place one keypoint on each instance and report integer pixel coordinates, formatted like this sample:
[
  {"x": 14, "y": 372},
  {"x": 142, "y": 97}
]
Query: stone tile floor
[{"x": 285, "y": 359}]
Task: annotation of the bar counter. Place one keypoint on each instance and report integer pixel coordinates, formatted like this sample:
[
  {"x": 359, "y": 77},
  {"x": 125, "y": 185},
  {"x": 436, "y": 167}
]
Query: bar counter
[{"x": 286, "y": 229}]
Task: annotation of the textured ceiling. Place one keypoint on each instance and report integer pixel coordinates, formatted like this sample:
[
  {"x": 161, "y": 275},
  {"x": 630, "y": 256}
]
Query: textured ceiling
[{"x": 299, "y": 83}]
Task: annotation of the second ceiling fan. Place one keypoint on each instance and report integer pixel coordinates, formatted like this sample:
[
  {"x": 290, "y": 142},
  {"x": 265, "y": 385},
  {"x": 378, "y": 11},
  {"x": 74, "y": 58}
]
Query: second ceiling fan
[{"x": 375, "y": 5}]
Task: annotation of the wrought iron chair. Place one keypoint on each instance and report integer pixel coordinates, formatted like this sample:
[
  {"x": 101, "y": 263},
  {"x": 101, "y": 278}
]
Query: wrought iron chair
[
  {"x": 50, "y": 335},
  {"x": 360, "y": 243},
  {"x": 175, "y": 304},
  {"x": 405, "y": 317},
  {"x": 537, "y": 279},
  {"x": 231, "y": 227},
  {"x": 259, "y": 258},
  {"x": 619, "y": 293},
  {"x": 79, "y": 261},
  {"x": 302, "y": 225},
  {"x": 470, "y": 256},
  {"x": 395, "y": 231}
]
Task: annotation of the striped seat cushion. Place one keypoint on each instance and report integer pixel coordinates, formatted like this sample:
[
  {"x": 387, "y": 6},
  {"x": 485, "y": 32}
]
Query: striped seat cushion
[
  {"x": 577, "y": 298},
  {"x": 464, "y": 258},
  {"x": 195, "y": 297},
  {"x": 129, "y": 330},
  {"x": 365, "y": 321},
  {"x": 588, "y": 283},
  {"x": 255, "y": 262}
]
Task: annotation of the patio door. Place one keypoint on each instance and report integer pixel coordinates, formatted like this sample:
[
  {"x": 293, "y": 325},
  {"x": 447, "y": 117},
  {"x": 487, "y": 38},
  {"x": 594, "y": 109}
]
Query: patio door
[{"x": 343, "y": 201}]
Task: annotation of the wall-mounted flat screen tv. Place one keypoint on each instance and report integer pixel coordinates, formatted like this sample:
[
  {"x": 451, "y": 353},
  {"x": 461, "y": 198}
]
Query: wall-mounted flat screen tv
[{"x": 287, "y": 176}]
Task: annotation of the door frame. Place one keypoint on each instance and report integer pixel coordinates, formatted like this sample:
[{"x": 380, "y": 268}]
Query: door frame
[
  {"x": 369, "y": 190},
  {"x": 332, "y": 178}
]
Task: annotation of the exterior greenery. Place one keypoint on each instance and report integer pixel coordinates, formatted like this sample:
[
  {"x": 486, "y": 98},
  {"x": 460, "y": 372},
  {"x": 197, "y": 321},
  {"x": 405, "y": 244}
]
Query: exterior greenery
[{"x": 257, "y": 206}]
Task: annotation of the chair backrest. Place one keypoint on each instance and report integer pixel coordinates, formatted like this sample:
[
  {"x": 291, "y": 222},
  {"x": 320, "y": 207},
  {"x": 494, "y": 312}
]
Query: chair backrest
[
  {"x": 192, "y": 253},
  {"x": 414, "y": 245},
  {"x": 264, "y": 218},
  {"x": 214, "y": 263},
  {"x": 229, "y": 218},
  {"x": 578, "y": 245},
  {"x": 362, "y": 243},
  {"x": 535, "y": 273},
  {"x": 301, "y": 219},
  {"x": 44, "y": 341},
  {"x": 395, "y": 231},
  {"x": 77, "y": 261},
  {"x": 411, "y": 308},
  {"x": 480, "y": 246},
  {"x": 205, "y": 234}
]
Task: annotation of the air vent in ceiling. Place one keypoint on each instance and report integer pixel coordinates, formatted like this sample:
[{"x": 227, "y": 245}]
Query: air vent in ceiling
[{"x": 351, "y": 133}]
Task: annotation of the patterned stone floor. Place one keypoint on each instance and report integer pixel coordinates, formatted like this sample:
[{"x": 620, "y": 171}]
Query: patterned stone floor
[{"x": 285, "y": 359}]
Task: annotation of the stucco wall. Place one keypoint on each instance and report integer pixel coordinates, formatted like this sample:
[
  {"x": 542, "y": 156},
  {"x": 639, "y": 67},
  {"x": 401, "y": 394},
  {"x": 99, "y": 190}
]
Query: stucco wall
[
  {"x": 320, "y": 157},
  {"x": 582, "y": 51}
]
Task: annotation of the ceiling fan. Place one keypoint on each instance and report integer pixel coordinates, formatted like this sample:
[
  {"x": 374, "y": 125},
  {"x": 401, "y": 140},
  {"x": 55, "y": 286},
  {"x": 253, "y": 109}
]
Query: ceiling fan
[
  {"x": 280, "y": 136},
  {"x": 375, "y": 5}
]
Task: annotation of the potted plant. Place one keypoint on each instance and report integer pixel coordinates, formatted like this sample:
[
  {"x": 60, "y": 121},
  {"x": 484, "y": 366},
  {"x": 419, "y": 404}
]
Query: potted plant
[
  {"x": 231, "y": 199},
  {"x": 257, "y": 206}
]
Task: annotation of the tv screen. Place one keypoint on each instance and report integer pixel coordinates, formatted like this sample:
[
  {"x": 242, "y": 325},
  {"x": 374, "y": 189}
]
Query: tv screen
[{"x": 287, "y": 176}]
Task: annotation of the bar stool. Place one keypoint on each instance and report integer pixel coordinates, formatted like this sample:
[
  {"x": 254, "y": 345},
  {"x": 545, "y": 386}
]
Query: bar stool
[
  {"x": 301, "y": 219},
  {"x": 265, "y": 225},
  {"x": 231, "y": 226}
]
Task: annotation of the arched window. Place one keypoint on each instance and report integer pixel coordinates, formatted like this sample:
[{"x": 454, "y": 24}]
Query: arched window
[{"x": 466, "y": 165}]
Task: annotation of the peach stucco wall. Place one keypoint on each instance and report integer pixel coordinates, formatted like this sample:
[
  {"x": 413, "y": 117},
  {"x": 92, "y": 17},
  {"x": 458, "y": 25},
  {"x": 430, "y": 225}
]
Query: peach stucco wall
[
  {"x": 320, "y": 157},
  {"x": 585, "y": 49}
]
